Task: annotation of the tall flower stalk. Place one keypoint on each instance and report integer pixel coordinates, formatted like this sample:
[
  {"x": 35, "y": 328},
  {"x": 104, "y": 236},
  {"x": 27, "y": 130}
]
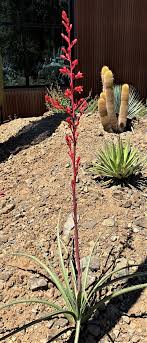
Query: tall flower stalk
[{"x": 75, "y": 110}]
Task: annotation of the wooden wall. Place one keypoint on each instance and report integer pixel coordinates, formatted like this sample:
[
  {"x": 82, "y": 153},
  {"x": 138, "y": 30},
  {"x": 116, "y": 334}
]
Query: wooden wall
[
  {"x": 24, "y": 102},
  {"x": 112, "y": 33}
]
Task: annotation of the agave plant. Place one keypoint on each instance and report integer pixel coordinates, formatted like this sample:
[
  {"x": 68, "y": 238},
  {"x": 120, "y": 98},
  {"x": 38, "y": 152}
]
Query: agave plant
[
  {"x": 136, "y": 108},
  {"x": 119, "y": 161},
  {"x": 77, "y": 307}
]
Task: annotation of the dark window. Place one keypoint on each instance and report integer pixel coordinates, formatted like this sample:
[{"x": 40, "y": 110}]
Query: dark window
[{"x": 30, "y": 41}]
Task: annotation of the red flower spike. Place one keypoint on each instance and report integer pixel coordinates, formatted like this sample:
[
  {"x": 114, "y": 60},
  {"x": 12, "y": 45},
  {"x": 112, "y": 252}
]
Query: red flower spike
[{"x": 74, "y": 111}]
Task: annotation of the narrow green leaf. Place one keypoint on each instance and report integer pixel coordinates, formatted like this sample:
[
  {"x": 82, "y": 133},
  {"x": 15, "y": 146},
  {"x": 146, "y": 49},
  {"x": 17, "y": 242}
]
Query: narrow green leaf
[
  {"x": 112, "y": 296},
  {"x": 64, "y": 271},
  {"x": 50, "y": 272}
]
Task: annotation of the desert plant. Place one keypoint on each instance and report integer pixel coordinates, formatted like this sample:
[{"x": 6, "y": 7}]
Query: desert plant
[
  {"x": 136, "y": 108},
  {"x": 118, "y": 161},
  {"x": 78, "y": 299},
  {"x": 115, "y": 122}
]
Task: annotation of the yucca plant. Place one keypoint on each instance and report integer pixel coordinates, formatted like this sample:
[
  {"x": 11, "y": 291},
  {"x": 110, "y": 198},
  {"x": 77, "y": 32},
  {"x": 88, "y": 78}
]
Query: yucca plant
[
  {"x": 136, "y": 107},
  {"x": 78, "y": 300},
  {"x": 118, "y": 161},
  {"x": 77, "y": 306}
]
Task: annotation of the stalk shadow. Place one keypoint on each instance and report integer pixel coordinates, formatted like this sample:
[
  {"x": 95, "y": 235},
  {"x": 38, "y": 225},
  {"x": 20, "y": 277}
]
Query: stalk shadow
[{"x": 31, "y": 134}]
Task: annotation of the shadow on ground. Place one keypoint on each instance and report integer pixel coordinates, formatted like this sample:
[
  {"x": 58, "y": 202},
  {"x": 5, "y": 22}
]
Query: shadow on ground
[{"x": 31, "y": 134}]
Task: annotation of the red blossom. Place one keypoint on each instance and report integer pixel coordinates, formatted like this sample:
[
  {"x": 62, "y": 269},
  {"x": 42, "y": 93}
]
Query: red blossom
[
  {"x": 67, "y": 93},
  {"x": 79, "y": 75},
  {"x": 78, "y": 89},
  {"x": 64, "y": 70}
]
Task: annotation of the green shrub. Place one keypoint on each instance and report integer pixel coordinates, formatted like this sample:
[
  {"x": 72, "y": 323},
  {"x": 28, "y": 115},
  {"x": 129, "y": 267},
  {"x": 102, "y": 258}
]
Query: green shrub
[{"x": 119, "y": 161}]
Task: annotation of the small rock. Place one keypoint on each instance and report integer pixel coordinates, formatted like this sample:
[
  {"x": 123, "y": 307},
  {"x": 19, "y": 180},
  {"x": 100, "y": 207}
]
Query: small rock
[
  {"x": 108, "y": 222},
  {"x": 113, "y": 238},
  {"x": 90, "y": 224},
  {"x": 84, "y": 262},
  {"x": 62, "y": 322},
  {"x": 126, "y": 319},
  {"x": 135, "y": 229},
  {"x": 127, "y": 204},
  {"x": 135, "y": 339},
  {"x": 94, "y": 265},
  {"x": 69, "y": 225},
  {"x": 116, "y": 332},
  {"x": 3, "y": 239},
  {"x": 37, "y": 283},
  {"x": 8, "y": 208},
  {"x": 142, "y": 222},
  {"x": 122, "y": 264},
  {"x": 5, "y": 276},
  {"x": 50, "y": 323}
]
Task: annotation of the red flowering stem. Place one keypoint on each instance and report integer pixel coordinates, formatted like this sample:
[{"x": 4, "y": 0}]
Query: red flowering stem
[{"x": 74, "y": 197}]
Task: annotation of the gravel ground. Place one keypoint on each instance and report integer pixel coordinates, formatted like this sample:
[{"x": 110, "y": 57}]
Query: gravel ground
[{"x": 35, "y": 176}]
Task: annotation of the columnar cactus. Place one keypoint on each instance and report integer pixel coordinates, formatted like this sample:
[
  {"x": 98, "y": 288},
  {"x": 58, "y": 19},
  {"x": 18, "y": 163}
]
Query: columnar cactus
[
  {"x": 111, "y": 121},
  {"x": 123, "y": 113},
  {"x": 103, "y": 113},
  {"x": 108, "y": 86}
]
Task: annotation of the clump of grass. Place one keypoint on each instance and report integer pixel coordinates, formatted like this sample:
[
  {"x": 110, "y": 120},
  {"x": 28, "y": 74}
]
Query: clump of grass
[{"x": 118, "y": 161}]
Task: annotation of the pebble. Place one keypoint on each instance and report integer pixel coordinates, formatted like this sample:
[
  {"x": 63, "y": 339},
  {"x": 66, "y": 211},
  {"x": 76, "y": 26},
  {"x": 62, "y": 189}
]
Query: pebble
[
  {"x": 3, "y": 239},
  {"x": 114, "y": 238},
  {"x": 126, "y": 319},
  {"x": 135, "y": 229},
  {"x": 108, "y": 222},
  {"x": 8, "y": 208},
  {"x": 90, "y": 224},
  {"x": 69, "y": 224},
  {"x": 36, "y": 283}
]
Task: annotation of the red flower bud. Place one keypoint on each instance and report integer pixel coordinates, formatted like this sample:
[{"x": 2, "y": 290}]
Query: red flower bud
[
  {"x": 65, "y": 37},
  {"x": 74, "y": 63}
]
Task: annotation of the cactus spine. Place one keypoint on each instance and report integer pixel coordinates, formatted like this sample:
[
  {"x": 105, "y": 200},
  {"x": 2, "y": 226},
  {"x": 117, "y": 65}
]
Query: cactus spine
[
  {"x": 111, "y": 121},
  {"x": 123, "y": 113}
]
